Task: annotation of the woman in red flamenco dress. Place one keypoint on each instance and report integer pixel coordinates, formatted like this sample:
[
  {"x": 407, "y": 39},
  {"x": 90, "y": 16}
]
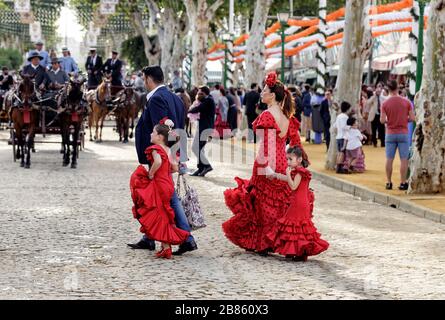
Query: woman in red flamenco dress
[
  {"x": 152, "y": 191},
  {"x": 294, "y": 235},
  {"x": 222, "y": 128},
  {"x": 259, "y": 202}
]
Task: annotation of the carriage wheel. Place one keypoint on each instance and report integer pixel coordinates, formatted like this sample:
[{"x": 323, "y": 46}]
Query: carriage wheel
[{"x": 14, "y": 146}]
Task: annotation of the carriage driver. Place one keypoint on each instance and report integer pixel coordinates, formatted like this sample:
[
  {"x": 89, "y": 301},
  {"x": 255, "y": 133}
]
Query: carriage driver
[{"x": 41, "y": 77}]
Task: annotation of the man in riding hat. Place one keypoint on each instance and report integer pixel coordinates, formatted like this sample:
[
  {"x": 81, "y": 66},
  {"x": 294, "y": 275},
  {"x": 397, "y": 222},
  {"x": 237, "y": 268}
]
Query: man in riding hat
[
  {"x": 35, "y": 68},
  {"x": 44, "y": 54},
  {"x": 57, "y": 76},
  {"x": 67, "y": 63},
  {"x": 94, "y": 68},
  {"x": 113, "y": 66}
]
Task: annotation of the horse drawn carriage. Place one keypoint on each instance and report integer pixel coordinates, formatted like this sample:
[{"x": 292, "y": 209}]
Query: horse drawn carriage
[
  {"x": 60, "y": 111},
  {"x": 121, "y": 102}
]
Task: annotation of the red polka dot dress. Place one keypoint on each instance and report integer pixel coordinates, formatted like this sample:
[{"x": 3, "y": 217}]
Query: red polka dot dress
[
  {"x": 259, "y": 202},
  {"x": 295, "y": 234}
]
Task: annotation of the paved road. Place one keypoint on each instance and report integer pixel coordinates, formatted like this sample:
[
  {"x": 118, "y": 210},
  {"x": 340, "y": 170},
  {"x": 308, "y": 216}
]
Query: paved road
[{"x": 64, "y": 233}]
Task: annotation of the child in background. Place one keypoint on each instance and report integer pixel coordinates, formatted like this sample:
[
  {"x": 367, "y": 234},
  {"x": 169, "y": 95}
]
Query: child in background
[
  {"x": 294, "y": 235},
  {"x": 354, "y": 157}
]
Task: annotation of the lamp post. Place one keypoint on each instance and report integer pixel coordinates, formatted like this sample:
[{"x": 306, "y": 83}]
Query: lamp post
[
  {"x": 419, "y": 68},
  {"x": 283, "y": 17},
  {"x": 226, "y": 38}
]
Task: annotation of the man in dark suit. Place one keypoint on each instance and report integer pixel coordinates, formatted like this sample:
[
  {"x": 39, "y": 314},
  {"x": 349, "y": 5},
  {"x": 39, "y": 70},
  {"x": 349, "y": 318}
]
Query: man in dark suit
[
  {"x": 35, "y": 69},
  {"x": 114, "y": 66},
  {"x": 94, "y": 68},
  {"x": 162, "y": 103},
  {"x": 325, "y": 112},
  {"x": 206, "y": 110},
  {"x": 251, "y": 100}
]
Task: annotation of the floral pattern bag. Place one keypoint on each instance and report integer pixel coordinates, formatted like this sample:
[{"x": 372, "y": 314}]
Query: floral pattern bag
[{"x": 190, "y": 203}]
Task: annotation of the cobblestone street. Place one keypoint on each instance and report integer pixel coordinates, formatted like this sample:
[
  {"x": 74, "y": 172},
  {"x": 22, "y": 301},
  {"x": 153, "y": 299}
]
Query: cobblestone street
[{"x": 64, "y": 234}]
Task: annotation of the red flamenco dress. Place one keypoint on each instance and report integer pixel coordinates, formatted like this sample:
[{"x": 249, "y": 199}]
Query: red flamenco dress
[
  {"x": 259, "y": 202},
  {"x": 294, "y": 234},
  {"x": 151, "y": 200}
]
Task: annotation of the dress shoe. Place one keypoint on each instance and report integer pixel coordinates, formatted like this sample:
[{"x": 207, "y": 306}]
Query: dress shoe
[
  {"x": 186, "y": 246},
  {"x": 196, "y": 173},
  {"x": 205, "y": 171},
  {"x": 142, "y": 245},
  {"x": 302, "y": 258},
  {"x": 164, "y": 253}
]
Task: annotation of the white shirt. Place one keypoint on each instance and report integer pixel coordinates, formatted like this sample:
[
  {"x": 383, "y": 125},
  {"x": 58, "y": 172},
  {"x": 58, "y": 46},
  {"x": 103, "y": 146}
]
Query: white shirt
[
  {"x": 35, "y": 67},
  {"x": 152, "y": 92},
  {"x": 216, "y": 94},
  {"x": 354, "y": 138},
  {"x": 340, "y": 124}
]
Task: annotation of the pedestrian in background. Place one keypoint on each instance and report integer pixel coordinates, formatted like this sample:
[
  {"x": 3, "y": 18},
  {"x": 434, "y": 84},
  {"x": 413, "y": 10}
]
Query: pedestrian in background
[
  {"x": 396, "y": 113},
  {"x": 325, "y": 113},
  {"x": 352, "y": 146},
  {"x": 206, "y": 109},
  {"x": 306, "y": 125},
  {"x": 251, "y": 100},
  {"x": 341, "y": 126}
]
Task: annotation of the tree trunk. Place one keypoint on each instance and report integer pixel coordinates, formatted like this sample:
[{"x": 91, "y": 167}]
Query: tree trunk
[
  {"x": 199, "y": 15},
  {"x": 167, "y": 39},
  {"x": 427, "y": 165},
  {"x": 255, "y": 56},
  {"x": 357, "y": 43},
  {"x": 178, "y": 55},
  {"x": 150, "y": 48}
]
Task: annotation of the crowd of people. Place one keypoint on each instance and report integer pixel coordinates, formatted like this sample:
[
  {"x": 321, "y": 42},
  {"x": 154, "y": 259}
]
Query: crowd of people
[{"x": 273, "y": 209}]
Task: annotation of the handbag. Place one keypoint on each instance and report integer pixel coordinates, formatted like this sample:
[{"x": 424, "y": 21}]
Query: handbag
[{"x": 190, "y": 203}]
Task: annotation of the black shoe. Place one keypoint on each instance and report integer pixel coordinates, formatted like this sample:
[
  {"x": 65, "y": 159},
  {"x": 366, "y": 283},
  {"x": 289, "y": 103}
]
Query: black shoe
[
  {"x": 205, "y": 171},
  {"x": 186, "y": 246},
  {"x": 196, "y": 173},
  {"x": 403, "y": 186},
  {"x": 142, "y": 245},
  {"x": 264, "y": 253},
  {"x": 388, "y": 186}
]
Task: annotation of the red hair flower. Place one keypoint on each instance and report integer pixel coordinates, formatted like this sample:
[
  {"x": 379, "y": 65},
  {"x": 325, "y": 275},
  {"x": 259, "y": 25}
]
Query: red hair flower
[
  {"x": 162, "y": 121},
  {"x": 271, "y": 79}
]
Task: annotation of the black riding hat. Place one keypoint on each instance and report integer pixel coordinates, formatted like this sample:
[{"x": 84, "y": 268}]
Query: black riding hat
[{"x": 34, "y": 54}]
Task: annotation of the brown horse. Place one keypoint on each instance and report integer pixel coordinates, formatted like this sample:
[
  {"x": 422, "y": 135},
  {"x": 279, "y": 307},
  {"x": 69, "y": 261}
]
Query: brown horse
[
  {"x": 126, "y": 113},
  {"x": 25, "y": 117},
  {"x": 98, "y": 100},
  {"x": 72, "y": 115}
]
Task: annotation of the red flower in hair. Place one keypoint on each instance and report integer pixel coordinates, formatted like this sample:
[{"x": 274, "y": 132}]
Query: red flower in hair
[
  {"x": 271, "y": 79},
  {"x": 162, "y": 121}
]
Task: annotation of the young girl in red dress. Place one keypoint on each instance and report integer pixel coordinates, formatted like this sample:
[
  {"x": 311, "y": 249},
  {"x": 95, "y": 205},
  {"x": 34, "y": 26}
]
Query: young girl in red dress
[
  {"x": 294, "y": 235},
  {"x": 152, "y": 191}
]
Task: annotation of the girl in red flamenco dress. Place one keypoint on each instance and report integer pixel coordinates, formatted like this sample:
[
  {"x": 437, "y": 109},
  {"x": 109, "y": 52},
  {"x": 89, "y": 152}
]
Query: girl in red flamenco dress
[
  {"x": 152, "y": 191},
  {"x": 259, "y": 202},
  {"x": 294, "y": 235}
]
